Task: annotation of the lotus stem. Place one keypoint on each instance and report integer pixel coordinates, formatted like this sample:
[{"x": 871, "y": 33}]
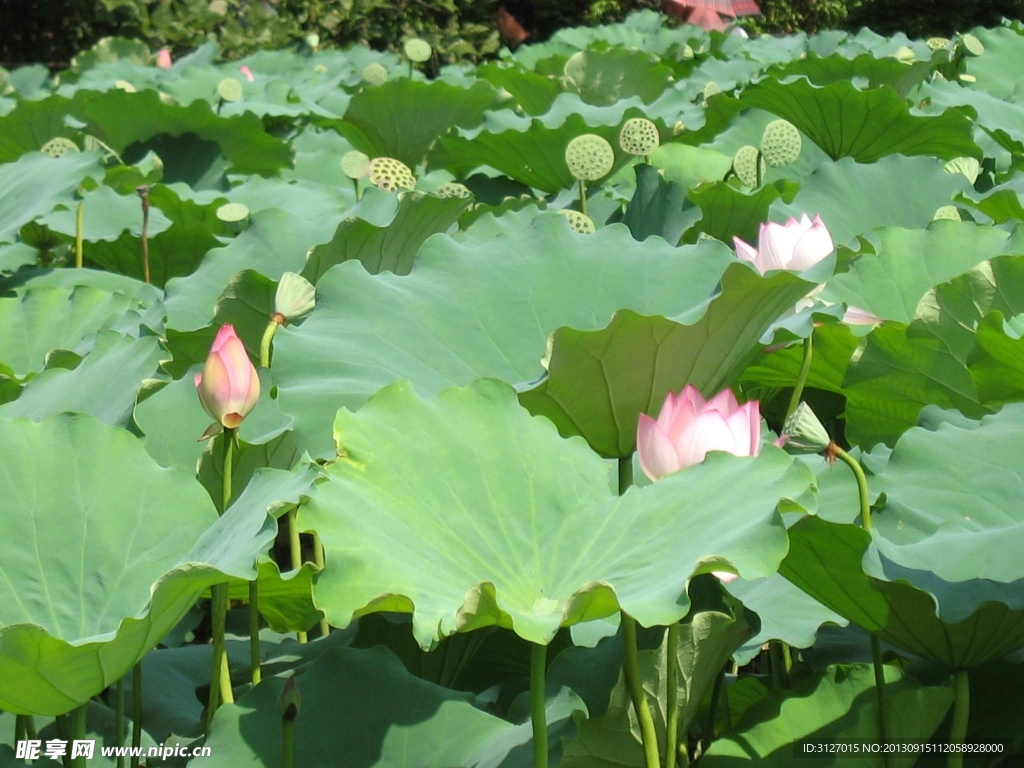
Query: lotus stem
[
  {"x": 777, "y": 652},
  {"x": 319, "y": 559},
  {"x": 287, "y": 743},
  {"x": 254, "y": 631},
  {"x": 583, "y": 197},
  {"x": 961, "y": 716},
  {"x": 862, "y": 484},
  {"x": 136, "y": 714},
  {"x": 79, "y": 726},
  {"x": 79, "y": 223},
  {"x": 119, "y": 719},
  {"x": 61, "y": 721},
  {"x": 20, "y": 728},
  {"x": 757, "y": 168},
  {"x": 716, "y": 697},
  {"x": 359, "y": 191},
  {"x": 30, "y": 726},
  {"x": 268, "y": 336},
  {"x": 631, "y": 667},
  {"x": 295, "y": 551},
  {"x": 144, "y": 194},
  {"x": 801, "y": 379},
  {"x": 538, "y": 715},
  {"x": 625, "y": 473},
  {"x": 672, "y": 695}
]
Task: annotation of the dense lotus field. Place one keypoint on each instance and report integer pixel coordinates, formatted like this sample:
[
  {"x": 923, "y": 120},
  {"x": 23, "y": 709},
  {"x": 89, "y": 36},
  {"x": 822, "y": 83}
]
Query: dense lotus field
[{"x": 647, "y": 398}]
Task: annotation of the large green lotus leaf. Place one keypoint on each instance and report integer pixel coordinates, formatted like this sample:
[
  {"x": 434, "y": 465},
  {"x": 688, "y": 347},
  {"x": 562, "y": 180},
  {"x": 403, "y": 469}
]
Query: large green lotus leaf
[
  {"x": 599, "y": 382},
  {"x": 318, "y": 158},
  {"x": 993, "y": 113},
  {"x": 689, "y": 166},
  {"x": 43, "y": 319},
  {"x": 924, "y": 187},
  {"x": 836, "y": 705},
  {"x": 528, "y": 151},
  {"x": 121, "y": 119},
  {"x": 826, "y": 561},
  {"x": 834, "y": 346},
  {"x": 361, "y": 708},
  {"x": 278, "y": 453},
  {"x": 487, "y": 541},
  {"x": 285, "y": 600},
  {"x": 824, "y": 70},
  {"x": 105, "y": 215},
  {"x": 996, "y": 363},
  {"x": 998, "y": 69},
  {"x": 533, "y": 92},
  {"x": 99, "y": 569},
  {"x": 148, "y": 296},
  {"x": 729, "y": 212},
  {"x": 890, "y": 279},
  {"x": 474, "y": 310},
  {"x": 176, "y": 252},
  {"x": 402, "y": 118},
  {"x": 604, "y": 77},
  {"x": 657, "y": 207},
  {"x": 390, "y": 248},
  {"x": 1001, "y": 205},
  {"x": 863, "y": 125},
  {"x": 36, "y": 183},
  {"x": 103, "y": 385}
]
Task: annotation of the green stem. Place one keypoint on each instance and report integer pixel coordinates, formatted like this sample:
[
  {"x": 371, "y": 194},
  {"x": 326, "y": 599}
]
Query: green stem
[
  {"x": 218, "y": 611},
  {"x": 30, "y": 727},
  {"x": 583, "y": 197},
  {"x": 625, "y": 473},
  {"x": 136, "y": 713},
  {"x": 268, "y": 336},
  {"x": 254, "y": 631},
  {"x": 359, "y": 191},
  {"x": 287, "y": 743},
  {"x": 61, "y": 722},
  {"x": 672, "y": 695},
  {"x": 145, "y": 235},
  {"x": 757, "y": 170},
  {"x": 79, "y": 726},
  {"x": 320, "y": 561},
  {"x": 961, "y": 715},
  {"x": 862, "y": 485},
  {"x": 295, "y": 551},
  {"x": 538, "y": 715},
  {"x": 20, "y": 728},
  {"x": 631, "y": 667},
  {"x": 716, "y": 696},
  {"x": 778, "y": 665},
  {"x": 119, "y": 719},
  {"x": 229, "y": 456},
  {"x": 801, "y": 379},
  {"x": 79, "y": 223}
]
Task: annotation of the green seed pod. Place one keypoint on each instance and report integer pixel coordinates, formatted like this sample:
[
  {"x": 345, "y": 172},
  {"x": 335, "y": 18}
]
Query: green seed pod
[
  {"x": 232, "y": 213},
  {"x": 295, "y": 296},
  {"x": 803, "y": 432},
  {"x": 947, "y": 213},
  {"x": 745, "y": 165},
  {"x": 639, "y": 136},
  {"x": 289, "y": 702},
  {"x": 589, "y": 157},
  {"x": 937, "y": 43},
  {"x": 375, "y": 74},
  {"x": 965, "y": 78},
  {"x": 355, "y": 164},
  {"x": 580, "y": 223},
  {"x": 58, "y": 147},
  {"x": 711, "y": 88},
  {"x": 453, "y": 189},
  {"x": 905, "y": 54},
  {"x": 968, "y": 166},
  {"x": 418, "y": 50},
  {"x": 390, "y": 175},
  {"x": 229, "y": 89},
  {"x": 972, "y": 44},
  {"x": 780, "y": 143}
]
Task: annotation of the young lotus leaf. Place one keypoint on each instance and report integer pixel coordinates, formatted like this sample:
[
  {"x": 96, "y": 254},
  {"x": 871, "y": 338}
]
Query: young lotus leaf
[{"x": 520, "y": 527}]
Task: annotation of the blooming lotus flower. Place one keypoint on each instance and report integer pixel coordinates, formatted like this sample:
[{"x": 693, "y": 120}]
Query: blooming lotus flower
[
  {"x": 229, "y": 385},
  {"x": 248, "y": 74},
  {"x": 795, "y": 245},
  {"x": 689, "y": 426},
  {"x": 163, "y": 58}
]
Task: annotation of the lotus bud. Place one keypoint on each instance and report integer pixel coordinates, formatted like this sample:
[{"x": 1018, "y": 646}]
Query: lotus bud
[
  {"x": 803, "y": 433},
  {"x": 229, "y": 386},
  {"x": 290, "y": 702},
  {"x": 248, "y": 74},
  {"x": 295, "y": 297},
  {"x": 163, "y": 58}
]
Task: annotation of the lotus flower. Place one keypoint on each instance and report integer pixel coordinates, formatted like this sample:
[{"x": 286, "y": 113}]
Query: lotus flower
[
  {"x": 163, "y": 58},
  {"x": 795, "y": 245},
  {"x": 248, "y": 74},
  {"x": 858, "y": 316},
  {"x": 689, "y": 426},
  {"x": 229, "y": 385}
]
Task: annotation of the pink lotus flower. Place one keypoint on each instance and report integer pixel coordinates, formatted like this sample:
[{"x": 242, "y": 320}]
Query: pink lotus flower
[
  {"x": 689, "y": 426},
  {"x": 795, "y": 245},
  {"x": 248, "y": 74},
  {"x": 163, "y": 58},
  {"x": 229, "y": 385}
]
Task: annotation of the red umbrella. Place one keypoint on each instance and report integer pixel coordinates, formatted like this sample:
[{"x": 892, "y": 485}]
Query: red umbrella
[{"x": 705, "y": 13}]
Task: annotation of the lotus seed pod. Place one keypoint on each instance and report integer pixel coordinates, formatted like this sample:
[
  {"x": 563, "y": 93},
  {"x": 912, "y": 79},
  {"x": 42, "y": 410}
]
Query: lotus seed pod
[
  {"x": 803, "y": 432},
  {"x": 937, "y": 43},
  {"x": 319, "y": 69},
  {"x": 965, "y": 78},
  {"x": 972, "y": 44},
  {"x": 453, "y": 189},
  {"x": 355, "y": 164},
  {"x": 59, "y": 146},
  {"x": 232, "y": 213},
  {"x": 745, "y": 165},
  {"x": 229, "y": 89},
  {"x": 589, "y": 157},
  {"x": 390, "y": 175},
  {"x": 417, "y": 50},
  {"x": 968, "y": 166},
  {"x": 580, "y": 223},
  {"x": 295, "y": 297},
  {"x": 687, "y": 52},
  {"x": 639, "y": 136},
  {"x": 313, "y": 40},
  {"x": 124, "y": 85},
  {"x": 289, "y": 702},
  {"x": 780, "y": 143},
  {"x": 375, "y": 74},
  {"x": 947, "y": 213}
]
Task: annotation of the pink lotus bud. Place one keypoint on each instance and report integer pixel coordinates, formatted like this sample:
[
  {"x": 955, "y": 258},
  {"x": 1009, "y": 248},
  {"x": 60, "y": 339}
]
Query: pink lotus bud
[
  {"x": 689, "y": 426},
  {"x": 248, "y": 74},
  {"x": 723, "y": 576},
  {"x": 857, "y": 316},
  {"x": 229, "y": 385},
  {"x": 795, "y": 245},
  {"x": 163, "y": 58}
]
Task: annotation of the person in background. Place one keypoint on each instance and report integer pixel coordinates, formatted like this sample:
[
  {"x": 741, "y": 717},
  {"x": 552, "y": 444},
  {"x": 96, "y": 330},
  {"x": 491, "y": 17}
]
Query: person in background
[{"x": 515, "y": 20}]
